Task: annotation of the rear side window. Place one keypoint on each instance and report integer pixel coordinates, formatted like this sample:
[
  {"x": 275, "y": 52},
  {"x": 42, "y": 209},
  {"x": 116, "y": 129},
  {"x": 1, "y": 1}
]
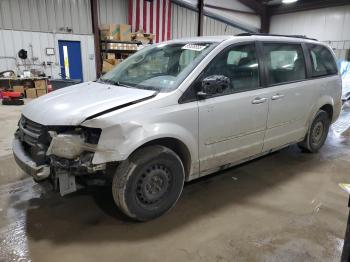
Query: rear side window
[
  {"x": 285, "y": 63},
  {"x": 322, "y": 61}
]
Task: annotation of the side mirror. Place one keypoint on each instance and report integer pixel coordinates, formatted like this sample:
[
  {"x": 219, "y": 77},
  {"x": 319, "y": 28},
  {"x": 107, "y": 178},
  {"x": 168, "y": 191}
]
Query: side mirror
[{"x": 212, "y": 85}]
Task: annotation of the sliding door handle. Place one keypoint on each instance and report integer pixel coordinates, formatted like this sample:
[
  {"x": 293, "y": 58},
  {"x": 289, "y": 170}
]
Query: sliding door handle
[
  {"x": 277, "y": 96},
  {"x": 259, "y": 100}
]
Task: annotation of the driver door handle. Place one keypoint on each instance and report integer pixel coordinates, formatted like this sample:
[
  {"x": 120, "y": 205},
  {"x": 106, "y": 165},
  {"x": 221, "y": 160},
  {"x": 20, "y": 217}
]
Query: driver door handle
[
  {"x": 277, "y": 96},
  {"x": 259, "y": 100}
]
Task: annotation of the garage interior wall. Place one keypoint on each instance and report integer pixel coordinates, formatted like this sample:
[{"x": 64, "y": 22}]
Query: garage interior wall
[
  {"x": 37, "y": 24},
  {"x": 246, "y": 19},
  {"x": 330, "y": 25},
  {"x": 113, "y": 11},
  {"x": 185, "y": 20}
]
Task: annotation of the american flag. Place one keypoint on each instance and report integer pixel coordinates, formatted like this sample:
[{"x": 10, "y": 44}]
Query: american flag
[{"x": 153, "y": 16}]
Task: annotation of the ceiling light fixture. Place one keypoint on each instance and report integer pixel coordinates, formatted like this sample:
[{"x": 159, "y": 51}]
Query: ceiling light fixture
[{"x": 288, "y": 1}]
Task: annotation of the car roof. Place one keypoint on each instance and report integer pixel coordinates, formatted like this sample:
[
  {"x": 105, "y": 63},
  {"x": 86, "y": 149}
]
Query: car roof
[
  {"x": 245, "y": 37},
  {"x": 210, "y": 39}
]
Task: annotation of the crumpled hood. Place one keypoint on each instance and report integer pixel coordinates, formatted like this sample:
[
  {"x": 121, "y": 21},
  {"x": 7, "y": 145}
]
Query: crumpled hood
[{"x": 72, "y": 105}]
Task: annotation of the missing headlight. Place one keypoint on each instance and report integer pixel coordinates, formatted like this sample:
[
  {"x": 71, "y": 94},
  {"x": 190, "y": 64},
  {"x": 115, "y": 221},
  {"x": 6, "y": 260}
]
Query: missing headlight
[{"x": 72, "y": 143}]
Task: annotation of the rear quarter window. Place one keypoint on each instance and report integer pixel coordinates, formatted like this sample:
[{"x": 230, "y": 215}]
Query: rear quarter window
[{"x": 322, "y": 61}]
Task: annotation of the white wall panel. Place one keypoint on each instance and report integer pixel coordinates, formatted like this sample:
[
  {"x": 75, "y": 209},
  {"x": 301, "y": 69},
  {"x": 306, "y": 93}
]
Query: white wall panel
[
  {"x": 11, "y": 41},
  {"x": 327, "y": 24},
  {"x": 244, "y": 19},
  {"x": 232, "y": 4},
  {"x": 113, "y": 11},
  {"x": 184, "y": 24},
  {"x": 214, "y": 27},
  {"x": 46, "y": 15}
]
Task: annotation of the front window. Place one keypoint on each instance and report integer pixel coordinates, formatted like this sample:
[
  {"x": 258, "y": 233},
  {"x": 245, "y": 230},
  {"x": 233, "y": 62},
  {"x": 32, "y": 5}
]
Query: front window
[
  {"x": 160, "y": 67},
  {"x": 238, "y": 63}
]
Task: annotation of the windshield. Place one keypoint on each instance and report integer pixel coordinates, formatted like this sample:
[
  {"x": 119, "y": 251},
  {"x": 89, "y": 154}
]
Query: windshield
[{"x": 159, "y": 67}]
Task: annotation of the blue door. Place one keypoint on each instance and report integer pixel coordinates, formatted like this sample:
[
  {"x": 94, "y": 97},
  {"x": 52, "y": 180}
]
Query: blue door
[{"x": 70, "y": 60}]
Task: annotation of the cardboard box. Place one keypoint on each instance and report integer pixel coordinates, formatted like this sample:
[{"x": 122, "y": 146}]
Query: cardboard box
[
  {"x": 118, "y": 32},
  {"x": 125, "y": 32},
  {"x": 109, "y": 64},
  {"x": 110, "y": 56},
  {"x": 40, "y": 92},
  {"x": 109, "y": 32},
  {"x": 31, "y": 93},
  {"x": 145, "y": 38},
  {"x": 18, "y": 89},
  {"x": 40, "y": 84}
]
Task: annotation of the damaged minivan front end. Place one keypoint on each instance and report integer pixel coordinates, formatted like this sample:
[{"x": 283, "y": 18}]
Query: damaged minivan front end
[
  {"x": 54, "y": 141},
  {"x": 56, "y": 152}
]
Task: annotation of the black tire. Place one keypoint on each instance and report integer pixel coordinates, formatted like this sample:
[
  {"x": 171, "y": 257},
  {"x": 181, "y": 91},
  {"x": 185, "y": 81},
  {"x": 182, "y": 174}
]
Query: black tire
[
  {"x": 317, "y": 134},
  {"x": 148, "y": 183}
]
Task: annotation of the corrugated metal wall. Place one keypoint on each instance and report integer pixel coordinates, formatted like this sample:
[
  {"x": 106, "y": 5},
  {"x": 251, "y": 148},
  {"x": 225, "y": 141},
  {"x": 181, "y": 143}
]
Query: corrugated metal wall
[
  {"x": 330, "y": 25},
  {"x": 326, "y": 24},
  {"x": 184, "y": 24},
  {"x": 46, "y": 15},
  {"x": 113, "y": 11},
  {"x": 215, "y": 27},
  {"x": 38, "y": 24},
  {"x": 341, "y": 48},
  {"x": 12, "y": 41}
]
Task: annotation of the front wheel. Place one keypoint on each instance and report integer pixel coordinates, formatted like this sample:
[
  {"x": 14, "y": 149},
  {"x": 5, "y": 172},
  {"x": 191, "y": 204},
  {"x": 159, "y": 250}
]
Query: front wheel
[
  {"x": 317, "y": 134},
  {"x": 149, "y": 183}
]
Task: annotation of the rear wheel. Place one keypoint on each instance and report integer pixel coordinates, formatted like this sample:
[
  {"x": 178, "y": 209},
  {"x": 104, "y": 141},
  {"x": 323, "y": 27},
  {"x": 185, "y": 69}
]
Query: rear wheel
[
  {"x": 149, "y": 183},
  {"x": 317, "y": 134}
]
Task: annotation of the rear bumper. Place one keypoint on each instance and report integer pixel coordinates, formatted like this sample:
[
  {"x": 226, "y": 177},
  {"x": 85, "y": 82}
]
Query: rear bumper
[{"x": 27, "y": 164}]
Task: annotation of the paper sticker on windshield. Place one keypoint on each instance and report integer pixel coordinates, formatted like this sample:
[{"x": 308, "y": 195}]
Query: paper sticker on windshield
[{"x": 194, "y": 47}]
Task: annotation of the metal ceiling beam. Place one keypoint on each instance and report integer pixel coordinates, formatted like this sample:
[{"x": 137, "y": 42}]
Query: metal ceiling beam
[
  {"x": 305, "y": 6},
  {"x": 256, "y": 6},
  {"x": 217, "y": 17},
  {"x": 229, "y": 9}
]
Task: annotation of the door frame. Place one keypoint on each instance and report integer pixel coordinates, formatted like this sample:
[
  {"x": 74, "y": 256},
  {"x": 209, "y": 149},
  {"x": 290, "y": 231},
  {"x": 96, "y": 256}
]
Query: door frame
[
  {"x": 81, "y": 55},
  {"x": 190, "y": 93}
]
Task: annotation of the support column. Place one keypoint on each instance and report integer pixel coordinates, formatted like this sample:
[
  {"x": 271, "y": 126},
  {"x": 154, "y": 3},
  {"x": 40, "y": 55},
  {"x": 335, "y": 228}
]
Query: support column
[
  {"x": 96, "y": 32},
  {"x": 200, "y": 17},
  {"x": 265, "y": 21}
]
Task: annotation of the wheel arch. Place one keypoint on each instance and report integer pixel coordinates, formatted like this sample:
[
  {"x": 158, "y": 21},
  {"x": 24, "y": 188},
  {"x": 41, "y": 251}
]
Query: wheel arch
[
  {"x": 175, "y": 144},
  {"x": 328, "y": 108}
]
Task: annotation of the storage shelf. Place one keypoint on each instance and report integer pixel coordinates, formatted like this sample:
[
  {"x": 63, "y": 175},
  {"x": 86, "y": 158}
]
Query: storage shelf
[
  {"x": 121, "y": 42},
  {"x": 118, "y": 51}
]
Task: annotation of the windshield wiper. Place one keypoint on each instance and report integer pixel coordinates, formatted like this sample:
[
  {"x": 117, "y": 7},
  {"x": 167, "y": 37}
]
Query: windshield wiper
[
  {"x": 106, "y": 81},
  {"x": 112, "y": 82},
  {"x": 153, "y": 88},
  {"x": 122, "y": 84}
]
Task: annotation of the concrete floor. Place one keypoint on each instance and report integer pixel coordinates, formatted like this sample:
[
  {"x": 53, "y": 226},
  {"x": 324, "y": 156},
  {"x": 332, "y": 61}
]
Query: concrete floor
[{"x": 283, "y": 207}]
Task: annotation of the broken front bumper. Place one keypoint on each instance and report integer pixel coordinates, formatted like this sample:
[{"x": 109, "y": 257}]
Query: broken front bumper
[
  {"x": 27, "y": 164},
  {"x": 66, "y": 183}
]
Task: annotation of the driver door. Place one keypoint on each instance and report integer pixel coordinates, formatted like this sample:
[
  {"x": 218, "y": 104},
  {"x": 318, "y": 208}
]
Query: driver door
[{"x": 232, "y": 123}]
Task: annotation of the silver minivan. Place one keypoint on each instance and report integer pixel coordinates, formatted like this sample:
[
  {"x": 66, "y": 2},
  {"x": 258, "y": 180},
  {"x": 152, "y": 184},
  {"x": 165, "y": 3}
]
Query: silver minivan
[{"x": 179, "y": 110}]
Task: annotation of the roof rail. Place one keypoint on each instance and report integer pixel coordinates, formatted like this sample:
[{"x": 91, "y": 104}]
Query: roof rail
[{"x": 262, "y": 34}]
